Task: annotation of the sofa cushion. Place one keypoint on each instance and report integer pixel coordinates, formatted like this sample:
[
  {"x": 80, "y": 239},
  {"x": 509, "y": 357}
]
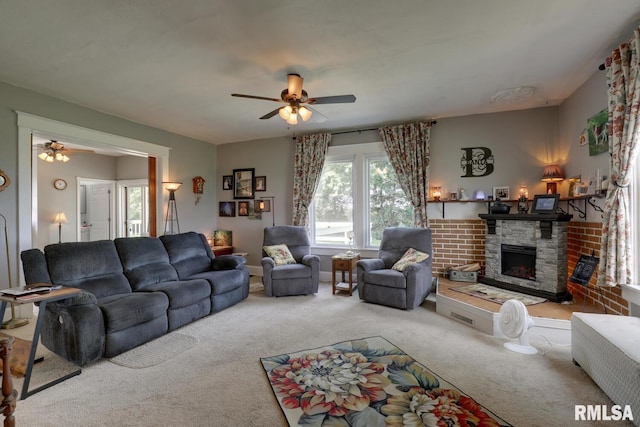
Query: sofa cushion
[
  {"x": 388, "y": 277},
  {"x": 34, "y": 265},
  {"x": 411, "y": 256},
  {"x": 189, "y": 253},
  {"x": 223, "y": 281},
  {"x": 291, "y": 271},
  {"x": 182, "y": 293},
  {"x": 280, "y": 254},
  {"x": 92, "y": 266},
  {"x": 123, "y": 311},
  {"x": 145, "y": 261}
]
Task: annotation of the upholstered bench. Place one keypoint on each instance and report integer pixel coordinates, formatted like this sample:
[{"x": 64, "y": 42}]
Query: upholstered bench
[{"x": 607, "y": 347}]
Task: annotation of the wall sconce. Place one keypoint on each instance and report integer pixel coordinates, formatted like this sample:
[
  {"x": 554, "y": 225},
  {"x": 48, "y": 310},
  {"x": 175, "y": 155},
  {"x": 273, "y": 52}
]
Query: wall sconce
[
  {"x": 268, "y": 205},
  {"x": 436, "y": 193},
  {"x": 172, "y": 209},
  {"x": 552, "y": 175},
  {"x": 60, "y": 219}
]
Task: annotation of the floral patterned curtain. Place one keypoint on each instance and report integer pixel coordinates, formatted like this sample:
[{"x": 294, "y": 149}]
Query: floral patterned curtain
[
  {"x": 309, "y": 160},
  {"x": 624, "y": 139},
  {"x": 408, "y": 149}
]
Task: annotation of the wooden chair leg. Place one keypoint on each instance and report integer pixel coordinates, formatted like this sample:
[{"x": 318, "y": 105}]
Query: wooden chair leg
[{"x": 9, "y": 394}]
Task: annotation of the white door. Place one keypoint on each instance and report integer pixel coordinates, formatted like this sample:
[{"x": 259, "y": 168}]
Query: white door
[{"x": 99, "y": 211}]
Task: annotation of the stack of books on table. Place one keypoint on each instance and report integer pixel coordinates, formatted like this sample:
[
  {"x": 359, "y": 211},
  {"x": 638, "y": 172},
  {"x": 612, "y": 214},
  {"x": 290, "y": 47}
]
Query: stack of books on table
[{"x": 27, "y": 292}]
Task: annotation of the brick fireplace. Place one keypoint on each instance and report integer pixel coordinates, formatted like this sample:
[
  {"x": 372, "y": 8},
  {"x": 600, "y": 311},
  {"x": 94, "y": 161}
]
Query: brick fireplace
[{"x": 527, "y": 253}]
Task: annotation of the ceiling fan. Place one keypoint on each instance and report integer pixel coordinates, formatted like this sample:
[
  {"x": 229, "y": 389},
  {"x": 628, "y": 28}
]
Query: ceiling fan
[
  {"x": 55, "y": 150},
  {"x": 298, "y": 102}
]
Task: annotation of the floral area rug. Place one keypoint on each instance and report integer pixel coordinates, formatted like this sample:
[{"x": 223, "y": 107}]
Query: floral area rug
[
  {"x": 497, "y": 295},
  {"x": 368, "y": 382}
]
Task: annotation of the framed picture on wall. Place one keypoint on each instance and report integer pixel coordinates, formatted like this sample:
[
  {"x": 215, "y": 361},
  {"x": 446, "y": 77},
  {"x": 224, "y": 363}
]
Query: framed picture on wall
[
  {"x": 244, "y": 183},
  {"x": 227, "y": 182},
  {"x": 501, "y": 193},
  {"x": 243, "y": 208},
  {"x": 227, "y": 209},
  {"x": 261, "y": 183}
]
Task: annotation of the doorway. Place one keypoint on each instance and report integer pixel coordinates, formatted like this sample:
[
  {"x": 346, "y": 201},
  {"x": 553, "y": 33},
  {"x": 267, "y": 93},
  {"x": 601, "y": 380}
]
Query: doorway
[
  {"x": 29, "y": 124},
  {"x": 133, "y": 212},
  {"x": 96, "y": 210}
]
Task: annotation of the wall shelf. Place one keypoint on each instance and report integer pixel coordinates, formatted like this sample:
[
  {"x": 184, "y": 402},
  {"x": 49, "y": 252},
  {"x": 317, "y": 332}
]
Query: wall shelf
[
  {"x": 587, "y": 199},
  {"x": 572, "y": 202},
  {"x": 488, "y": 202}
]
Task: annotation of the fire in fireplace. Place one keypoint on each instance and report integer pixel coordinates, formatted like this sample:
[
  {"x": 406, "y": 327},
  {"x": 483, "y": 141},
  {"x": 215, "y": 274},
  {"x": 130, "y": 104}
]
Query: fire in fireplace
[{"x": 518, "y": 261}]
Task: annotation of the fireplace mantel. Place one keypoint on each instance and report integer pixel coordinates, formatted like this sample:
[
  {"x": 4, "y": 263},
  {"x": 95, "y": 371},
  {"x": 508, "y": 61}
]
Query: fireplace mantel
[
  {"x": 546, "y": 221},
  {"x": 527, "y": 217}
]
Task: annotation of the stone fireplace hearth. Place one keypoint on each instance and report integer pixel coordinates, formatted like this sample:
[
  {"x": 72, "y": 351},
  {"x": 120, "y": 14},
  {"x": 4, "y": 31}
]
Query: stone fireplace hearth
[{"x": 527, "y": 253}]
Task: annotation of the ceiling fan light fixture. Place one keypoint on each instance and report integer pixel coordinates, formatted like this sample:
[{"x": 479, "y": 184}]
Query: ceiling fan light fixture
[
  {"x": 43, "y": 156},
  {"x": 285, "y": 112},
  {"x": 293, "y": 119},
  {"x": 305, "y": 113},
  {"x": 65, "y": 158},
  {"x": 49, "y": 159}
]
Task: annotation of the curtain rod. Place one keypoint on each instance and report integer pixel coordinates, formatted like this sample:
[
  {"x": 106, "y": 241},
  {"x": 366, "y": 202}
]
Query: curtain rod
[{"x": 433, "y": 122}]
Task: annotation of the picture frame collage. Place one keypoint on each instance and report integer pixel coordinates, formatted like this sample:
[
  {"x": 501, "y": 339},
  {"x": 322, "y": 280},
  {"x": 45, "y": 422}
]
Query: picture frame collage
[{"x": 244, "y": 184}]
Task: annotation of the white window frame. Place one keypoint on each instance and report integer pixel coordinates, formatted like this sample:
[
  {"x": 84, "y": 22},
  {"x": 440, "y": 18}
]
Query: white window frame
[{"x": 359, "y": 154}]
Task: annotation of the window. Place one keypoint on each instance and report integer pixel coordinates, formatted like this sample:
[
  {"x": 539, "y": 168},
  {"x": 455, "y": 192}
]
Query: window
[
  {"x": 387, "y": 205},
  {"x": 358, "y": 191}
]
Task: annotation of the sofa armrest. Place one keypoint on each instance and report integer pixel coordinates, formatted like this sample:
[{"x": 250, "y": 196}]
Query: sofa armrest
[
  {"x": 74, "y": 329},
  {"x": 227, "y": 262},
  {"x": 268, "y": 264},
  {"x": 370, "y": 264},
  {"x": 311, "y": 261},
  {"x": 83, "y": 298},
  {"x": 362, "y": 267}
]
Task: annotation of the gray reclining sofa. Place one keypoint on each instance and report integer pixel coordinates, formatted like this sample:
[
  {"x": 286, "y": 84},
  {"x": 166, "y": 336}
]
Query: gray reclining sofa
[{"x": 133, "y": 291}]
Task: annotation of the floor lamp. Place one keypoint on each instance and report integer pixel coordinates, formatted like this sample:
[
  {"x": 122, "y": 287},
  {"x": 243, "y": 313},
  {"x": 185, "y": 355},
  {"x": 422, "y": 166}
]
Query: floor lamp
[
  {"x": 13, "y": 322},
  {"x": 262, "y": 207},
  {"x": 172, "y": 209}
]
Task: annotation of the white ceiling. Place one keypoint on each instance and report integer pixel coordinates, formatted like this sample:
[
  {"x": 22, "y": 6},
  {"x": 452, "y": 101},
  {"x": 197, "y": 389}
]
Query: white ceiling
[{"x": 173, "y": 64}]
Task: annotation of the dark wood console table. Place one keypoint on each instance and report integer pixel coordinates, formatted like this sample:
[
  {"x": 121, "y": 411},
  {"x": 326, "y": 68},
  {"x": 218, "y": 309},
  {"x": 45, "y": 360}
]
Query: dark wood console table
[{"x": 43, "y": 299}]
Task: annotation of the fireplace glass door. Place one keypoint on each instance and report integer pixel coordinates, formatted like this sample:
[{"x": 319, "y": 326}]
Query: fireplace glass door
[{"x": 518, "y": 261}]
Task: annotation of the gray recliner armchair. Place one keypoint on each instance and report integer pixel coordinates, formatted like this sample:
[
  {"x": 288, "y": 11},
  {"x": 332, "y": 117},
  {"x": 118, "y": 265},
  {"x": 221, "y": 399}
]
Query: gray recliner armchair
[
  {"x": 380, "y": 284},
  {"x": 290, "y": 279}
]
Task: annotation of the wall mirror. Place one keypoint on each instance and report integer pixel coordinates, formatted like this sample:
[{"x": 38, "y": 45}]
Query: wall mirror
[{"x": 4, "y": 180}]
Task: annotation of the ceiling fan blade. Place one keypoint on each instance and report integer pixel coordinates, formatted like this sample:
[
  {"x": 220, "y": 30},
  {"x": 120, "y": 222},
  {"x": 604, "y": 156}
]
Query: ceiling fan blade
[
  {"x": 338, "y": 99},
  {"x": 270, "y": 114},
  {"x": 239, "y": 95},
  {"x": 317, "y": 116},
  {"x": 294, "y": 85}
]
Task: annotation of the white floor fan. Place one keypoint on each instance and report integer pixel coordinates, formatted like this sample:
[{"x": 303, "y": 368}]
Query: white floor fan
[{"x": 515, "y": 322}]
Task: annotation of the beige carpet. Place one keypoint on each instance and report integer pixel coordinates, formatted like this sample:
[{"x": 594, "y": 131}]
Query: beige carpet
[
  {"x": 220, "y": 381},
  {"x": 155, "y": 352}
]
